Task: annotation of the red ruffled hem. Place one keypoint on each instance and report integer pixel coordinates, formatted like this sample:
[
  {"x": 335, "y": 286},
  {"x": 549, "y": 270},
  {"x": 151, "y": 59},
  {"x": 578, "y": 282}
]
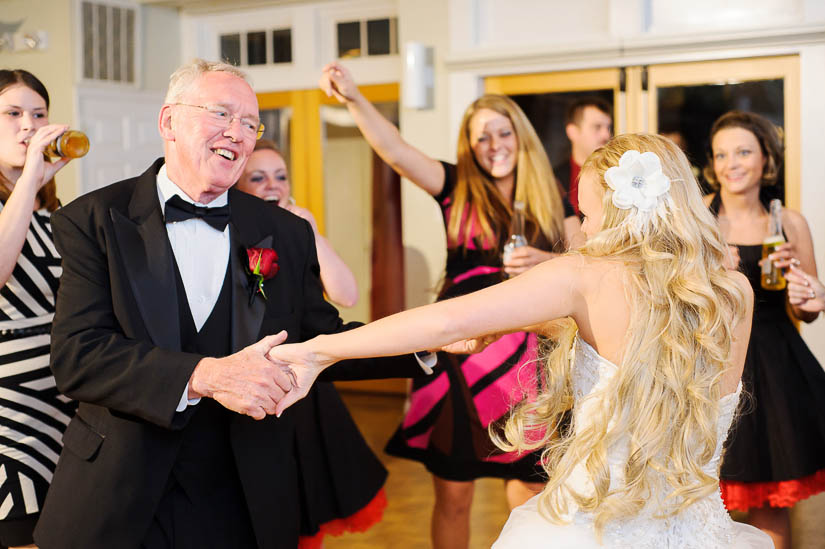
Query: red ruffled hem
[
  {"x": 741, "y": 496},
  {"x": 361, "y": 521}
]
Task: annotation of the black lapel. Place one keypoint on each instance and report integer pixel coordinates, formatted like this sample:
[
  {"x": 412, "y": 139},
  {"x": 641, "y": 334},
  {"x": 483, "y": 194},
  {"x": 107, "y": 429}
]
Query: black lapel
[
  {"x": 246, "y": 317},
  {"x": 148, "y": 260}
]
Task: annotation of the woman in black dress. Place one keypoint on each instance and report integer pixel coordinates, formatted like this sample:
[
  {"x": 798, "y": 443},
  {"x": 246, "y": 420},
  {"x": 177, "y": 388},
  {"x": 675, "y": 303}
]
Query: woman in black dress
[
  {"x": 341, "y": 478},
  {"x": 32, "y": 413},
  {"x": 775, "y": 456}
]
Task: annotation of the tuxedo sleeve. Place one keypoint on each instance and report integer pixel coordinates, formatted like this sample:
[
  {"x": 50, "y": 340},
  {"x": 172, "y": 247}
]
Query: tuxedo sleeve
[
  {"x": 92, "y": 357},
  {"x": 320, "y": 317}
]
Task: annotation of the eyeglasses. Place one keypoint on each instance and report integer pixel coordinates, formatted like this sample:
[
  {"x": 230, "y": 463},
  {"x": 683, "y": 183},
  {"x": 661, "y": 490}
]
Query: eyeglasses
[{"x": 223, "y": 118}]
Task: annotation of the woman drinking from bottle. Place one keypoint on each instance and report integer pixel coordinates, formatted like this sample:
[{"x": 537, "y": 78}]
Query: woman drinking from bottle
[
  {"x": 34, "y": 414},
  {"x": 776, "y": 454}
]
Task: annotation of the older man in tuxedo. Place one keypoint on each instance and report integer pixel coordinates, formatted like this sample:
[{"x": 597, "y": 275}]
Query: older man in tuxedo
[{"x": 158, "y": 335}]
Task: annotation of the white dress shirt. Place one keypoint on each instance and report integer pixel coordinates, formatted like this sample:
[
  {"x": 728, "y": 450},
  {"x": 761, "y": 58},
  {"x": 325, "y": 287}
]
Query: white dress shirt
[{"x": 202, "y": 255}]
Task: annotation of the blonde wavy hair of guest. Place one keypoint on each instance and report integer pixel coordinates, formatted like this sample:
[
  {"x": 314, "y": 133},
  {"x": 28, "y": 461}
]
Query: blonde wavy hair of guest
[
  {"x": 684, "y": 306},
  {"x": 534, "y": 184}
]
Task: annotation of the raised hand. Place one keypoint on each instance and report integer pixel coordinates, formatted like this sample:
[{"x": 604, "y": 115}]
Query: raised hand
[
  {"x": 525, "y": 257},
  {"x": 336, "y": 81},
  {"x": 245, "y": 382},
  {"x": 805, "y": 292}
]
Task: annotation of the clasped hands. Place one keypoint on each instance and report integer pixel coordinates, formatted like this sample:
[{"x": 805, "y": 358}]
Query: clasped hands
[
  {"x": 266, "y": 378},
  {"x": 246, "y": 382}
]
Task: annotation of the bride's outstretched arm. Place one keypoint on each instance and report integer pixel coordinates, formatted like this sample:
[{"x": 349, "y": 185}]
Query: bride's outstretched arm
[{"x": 548, "y": 291}]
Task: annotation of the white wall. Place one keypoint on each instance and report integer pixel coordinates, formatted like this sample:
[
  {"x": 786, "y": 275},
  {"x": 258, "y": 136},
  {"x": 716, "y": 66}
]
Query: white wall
[
  {"x": 812, "y": 67},
  {"x": 161, "y": 53},
  {"x": 425, "y": 243},
  {"x": 313, "y": 40}
]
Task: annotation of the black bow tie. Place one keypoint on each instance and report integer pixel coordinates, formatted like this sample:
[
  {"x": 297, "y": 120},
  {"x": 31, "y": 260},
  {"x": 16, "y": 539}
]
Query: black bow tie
[{"x": 178, "y": 209}]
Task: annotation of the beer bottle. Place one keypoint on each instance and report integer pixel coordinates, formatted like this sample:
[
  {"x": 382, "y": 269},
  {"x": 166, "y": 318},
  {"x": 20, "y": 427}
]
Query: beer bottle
[
  {"x": 772, "y": 278},
  {"x": 71, "y": 144},
  {"x": 517, "y": 238}
]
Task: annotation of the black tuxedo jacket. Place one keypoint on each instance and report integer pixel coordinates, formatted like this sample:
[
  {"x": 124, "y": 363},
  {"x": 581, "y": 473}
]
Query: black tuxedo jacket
[{"x": 116, "y": 349}]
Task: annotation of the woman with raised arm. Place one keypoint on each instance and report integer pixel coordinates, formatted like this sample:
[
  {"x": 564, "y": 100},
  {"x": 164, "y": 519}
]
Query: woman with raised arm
[
  {"x": 649, "y": 357},
  {"x": 776, "y": 456},
  {"x": 500, "y": 161},
  {"x": 34, "y": 414}
]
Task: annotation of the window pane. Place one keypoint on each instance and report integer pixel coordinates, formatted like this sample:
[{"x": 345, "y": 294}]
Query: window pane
[
  {"x": 349, "y": 39},
  {"x": 282, "y": 46},
  {"x": 256, "y": 48},
  {"x": 88, "y": 41},
  {"x": 130, "y": 45},
  {"x": 102, "y": 43},
  {"x": 378, "y": 37},
  {"x": 231, "y": 48},
  {"x": 116, "y": 46}
]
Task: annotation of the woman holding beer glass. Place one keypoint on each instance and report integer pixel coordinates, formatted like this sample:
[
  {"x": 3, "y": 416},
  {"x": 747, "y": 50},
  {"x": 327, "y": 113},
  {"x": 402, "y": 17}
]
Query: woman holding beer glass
[
  {"x": 775, "y": 456},
  {"x": 33, "y": 415}
]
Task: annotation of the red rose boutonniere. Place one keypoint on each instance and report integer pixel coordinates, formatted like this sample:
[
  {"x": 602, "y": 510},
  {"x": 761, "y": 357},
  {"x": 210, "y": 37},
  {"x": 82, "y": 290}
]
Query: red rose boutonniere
[{"x": 263, "y": 265}]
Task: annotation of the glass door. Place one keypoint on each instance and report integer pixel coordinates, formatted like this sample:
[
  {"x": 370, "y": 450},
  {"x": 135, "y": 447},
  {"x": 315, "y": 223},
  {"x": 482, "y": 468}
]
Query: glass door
[
  {"x": 684, "y": 99},
  {"x": 680, "y": 100}
]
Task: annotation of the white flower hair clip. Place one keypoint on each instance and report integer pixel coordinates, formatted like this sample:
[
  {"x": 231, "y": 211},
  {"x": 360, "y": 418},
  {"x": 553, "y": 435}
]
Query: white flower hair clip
[{"x": 638, "y": 182}]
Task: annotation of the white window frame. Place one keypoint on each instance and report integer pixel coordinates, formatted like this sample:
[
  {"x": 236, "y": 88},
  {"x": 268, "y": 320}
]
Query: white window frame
[{"x": 78, "y": 45}]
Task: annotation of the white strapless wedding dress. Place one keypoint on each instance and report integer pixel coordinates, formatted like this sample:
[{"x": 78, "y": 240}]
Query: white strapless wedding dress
[{"x": 704, "y": 525}]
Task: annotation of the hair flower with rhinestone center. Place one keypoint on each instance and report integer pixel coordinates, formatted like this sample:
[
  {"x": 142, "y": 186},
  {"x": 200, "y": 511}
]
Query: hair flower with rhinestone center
[{"x": 637, "y": 181}]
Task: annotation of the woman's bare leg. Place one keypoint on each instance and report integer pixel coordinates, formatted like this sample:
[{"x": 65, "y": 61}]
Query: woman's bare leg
[
  {"x": 451, "y": 514},
  {"x": 774, "y": 521}
]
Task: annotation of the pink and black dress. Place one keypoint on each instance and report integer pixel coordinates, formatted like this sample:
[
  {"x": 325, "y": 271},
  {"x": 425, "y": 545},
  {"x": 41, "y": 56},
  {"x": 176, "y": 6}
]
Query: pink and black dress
[{"x": 446, "y": 425}]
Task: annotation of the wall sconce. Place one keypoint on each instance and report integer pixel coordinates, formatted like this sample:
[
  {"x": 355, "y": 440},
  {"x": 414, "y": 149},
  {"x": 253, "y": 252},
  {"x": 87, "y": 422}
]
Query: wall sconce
[
  {"x": 418, "y": 80},
  {"x": 24, "y": 41}
]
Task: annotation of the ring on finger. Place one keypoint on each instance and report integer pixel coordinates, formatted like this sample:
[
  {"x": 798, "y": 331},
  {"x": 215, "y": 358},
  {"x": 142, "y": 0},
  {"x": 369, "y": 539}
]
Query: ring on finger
[{"x": 812, "y": 294}]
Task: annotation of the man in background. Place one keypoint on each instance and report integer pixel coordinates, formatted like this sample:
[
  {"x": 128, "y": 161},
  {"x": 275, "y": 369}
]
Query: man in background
[{"x": 589, "y": 125}]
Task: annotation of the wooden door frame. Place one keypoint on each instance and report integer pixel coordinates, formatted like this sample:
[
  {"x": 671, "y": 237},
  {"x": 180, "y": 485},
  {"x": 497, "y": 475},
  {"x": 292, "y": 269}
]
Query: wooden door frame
[
  {"x": 562, "y": 81},
  {"x": 305, "y": 139},
  {"x": 307, "y": 171}
]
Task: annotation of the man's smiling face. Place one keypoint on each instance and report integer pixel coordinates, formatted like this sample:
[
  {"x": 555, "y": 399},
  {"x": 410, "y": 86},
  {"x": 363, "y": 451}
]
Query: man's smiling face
[{"x": 204, "y": 156}]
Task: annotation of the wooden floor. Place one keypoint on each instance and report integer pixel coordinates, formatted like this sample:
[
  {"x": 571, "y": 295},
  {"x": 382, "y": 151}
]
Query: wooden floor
[{"x": 406, "y": 523}]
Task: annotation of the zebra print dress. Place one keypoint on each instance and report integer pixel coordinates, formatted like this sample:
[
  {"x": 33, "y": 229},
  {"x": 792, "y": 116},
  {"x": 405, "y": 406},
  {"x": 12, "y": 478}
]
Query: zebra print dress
[{"x": 33, "y": 415}]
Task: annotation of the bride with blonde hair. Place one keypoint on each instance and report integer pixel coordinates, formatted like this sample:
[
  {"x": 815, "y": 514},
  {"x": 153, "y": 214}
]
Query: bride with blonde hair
[{"x": 649, "y": 357}]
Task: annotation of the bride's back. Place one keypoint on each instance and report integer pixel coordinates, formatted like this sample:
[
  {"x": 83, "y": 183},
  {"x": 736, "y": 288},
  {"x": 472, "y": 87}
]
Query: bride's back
[
  {"x": 609, "y": 295},
  {"x": 655, "y": 300}
]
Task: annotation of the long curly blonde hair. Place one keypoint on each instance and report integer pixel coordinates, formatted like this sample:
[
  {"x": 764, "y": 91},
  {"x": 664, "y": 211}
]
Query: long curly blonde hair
[{"x": 664, "y": 398}]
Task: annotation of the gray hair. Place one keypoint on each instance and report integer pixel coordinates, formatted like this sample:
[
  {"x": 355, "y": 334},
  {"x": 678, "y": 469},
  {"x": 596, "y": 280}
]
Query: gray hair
[{"x": 186, "y": 75}]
